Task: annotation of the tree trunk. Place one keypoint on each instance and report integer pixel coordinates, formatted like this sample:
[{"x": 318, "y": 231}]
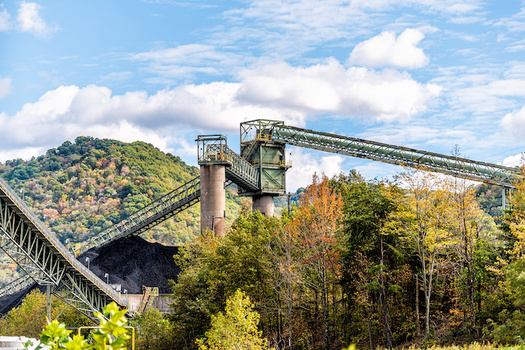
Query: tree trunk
[
  {"x": 386, "y": 323},
  {"x": 369, "y": 330},
  {"x": 418, "y": 326}
]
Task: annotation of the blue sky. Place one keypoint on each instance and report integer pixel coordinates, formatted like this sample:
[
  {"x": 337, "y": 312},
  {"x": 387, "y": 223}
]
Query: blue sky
[{"x": 427, "y": 74}]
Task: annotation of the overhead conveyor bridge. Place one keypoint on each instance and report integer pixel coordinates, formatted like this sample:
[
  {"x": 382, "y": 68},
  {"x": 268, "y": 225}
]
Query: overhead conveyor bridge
[
  {"x": 26, "y": 240},
  {"x": 259, "y": 170},
  {"x": 398, "y": 155}
]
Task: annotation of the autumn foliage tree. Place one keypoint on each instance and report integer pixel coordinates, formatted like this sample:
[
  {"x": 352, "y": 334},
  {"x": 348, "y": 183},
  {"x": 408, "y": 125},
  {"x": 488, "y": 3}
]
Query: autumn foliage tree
[{"x": 315, "y": 230}]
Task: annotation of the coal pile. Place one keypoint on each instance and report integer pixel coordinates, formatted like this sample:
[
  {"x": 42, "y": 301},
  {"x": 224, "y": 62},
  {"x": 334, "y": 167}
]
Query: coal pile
[{"x": 134, "y": 262}]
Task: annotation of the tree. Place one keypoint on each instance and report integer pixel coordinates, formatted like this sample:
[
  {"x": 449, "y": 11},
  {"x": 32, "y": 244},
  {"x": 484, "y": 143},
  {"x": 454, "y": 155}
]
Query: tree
[
  {"x": 111, "y": 333},
  {"x": 154, "y": 331},
  {"x": 236, "y": 329},
  {"x": 213, "y": 268},
  {"x": 367, "y": 208},
  {"x": 422, "y": 223},
  {"x": 29, "y": 318},
  {"x": 316, "y": 227},
  {"x": 471, "y": 229}
]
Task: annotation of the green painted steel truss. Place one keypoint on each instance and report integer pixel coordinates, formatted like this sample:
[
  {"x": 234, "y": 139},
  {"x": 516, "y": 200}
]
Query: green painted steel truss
[
  {"x": 142, "y": 220},
  {"x": 151, "y": 215},
  {"x": 25, "y": 239},
  {"x": 213, "y": 149},
  {"x": 450, "y": 165}
]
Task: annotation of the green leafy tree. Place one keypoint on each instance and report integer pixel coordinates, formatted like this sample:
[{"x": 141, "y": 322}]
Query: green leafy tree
[
  {"x": 110, "y": 335},
  {"x": 236, "y": 329},
  {"x": 29, "y": 318},
  {"x": 153, "y": 331}
]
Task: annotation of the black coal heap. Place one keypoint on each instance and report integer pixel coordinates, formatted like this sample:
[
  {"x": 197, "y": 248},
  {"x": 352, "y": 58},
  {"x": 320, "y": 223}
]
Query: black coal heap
[
  {"x": 134, "y": 262},
  {"x": 131, "y": 262}
]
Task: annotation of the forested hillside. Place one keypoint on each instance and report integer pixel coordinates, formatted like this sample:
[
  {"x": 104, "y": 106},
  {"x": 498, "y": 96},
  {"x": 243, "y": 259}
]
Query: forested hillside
[{"x": 83, "y": 187}]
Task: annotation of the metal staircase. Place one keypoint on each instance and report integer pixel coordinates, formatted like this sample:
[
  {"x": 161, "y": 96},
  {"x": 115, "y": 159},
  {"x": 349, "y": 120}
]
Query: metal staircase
[
  {"x": 151, "y": 215},
  {"x": 150, "y": 293}
]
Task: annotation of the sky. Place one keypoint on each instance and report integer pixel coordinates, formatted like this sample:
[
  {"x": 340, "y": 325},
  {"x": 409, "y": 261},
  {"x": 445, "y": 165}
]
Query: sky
[{"x": 425, "y": 74}]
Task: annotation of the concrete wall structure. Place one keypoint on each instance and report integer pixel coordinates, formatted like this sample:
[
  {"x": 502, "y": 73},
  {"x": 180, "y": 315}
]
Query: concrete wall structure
[
  {"x": 264, "y": 204},
  {"x": 213, "y": 198},
  {"x": 161, "y": 302}
]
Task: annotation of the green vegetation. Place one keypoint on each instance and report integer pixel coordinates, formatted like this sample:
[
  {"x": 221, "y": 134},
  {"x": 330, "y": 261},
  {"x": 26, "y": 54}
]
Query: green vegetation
[
  {"x": 418, "y": 263},
  {"x": 29, "y": 318},
  {"x": 84, "y": 187},
  {"x": 111, "y": 333},
  {"x": 236, "y": 328},
  {"x": 367, "y": 263}
]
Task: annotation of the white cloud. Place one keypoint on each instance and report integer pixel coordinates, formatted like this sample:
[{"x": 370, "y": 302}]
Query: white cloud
[
  {"x": 278, "y": 92},
  {"x": 387, "y": 50},
  {"x": 515, "y": 122},
  {"x": 304, "y": 165},
  {"x": 515, "y": 23},
  {"x": 513, "y": 161},
  {"x": 69, "y": 111},
  {"x": 5, "y": 87},
  {"x": 30, "y": 21},
  {"x": 4, "y": 18},
  {"x": 186, "y": 60},
  {"x": 288, "y": 29},
  {"x": 385, "y": 95}
]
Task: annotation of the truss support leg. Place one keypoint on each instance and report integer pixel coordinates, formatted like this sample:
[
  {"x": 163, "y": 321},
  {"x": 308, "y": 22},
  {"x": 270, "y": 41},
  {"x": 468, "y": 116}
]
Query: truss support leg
[
  {"x": 264, "y": 204},
  {"x": 213, "y": 198},
  {"x": 48, "y": 303}
]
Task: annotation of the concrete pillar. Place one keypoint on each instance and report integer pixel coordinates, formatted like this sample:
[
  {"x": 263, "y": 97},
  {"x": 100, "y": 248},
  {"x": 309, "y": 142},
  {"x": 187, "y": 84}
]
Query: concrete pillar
[
  {"x": 264, "y": 204},
  {"x": 213, "y": 198}
]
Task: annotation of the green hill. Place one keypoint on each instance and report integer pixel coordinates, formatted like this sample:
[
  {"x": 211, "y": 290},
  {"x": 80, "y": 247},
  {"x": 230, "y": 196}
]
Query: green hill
[{"x": 83, "y": 187}]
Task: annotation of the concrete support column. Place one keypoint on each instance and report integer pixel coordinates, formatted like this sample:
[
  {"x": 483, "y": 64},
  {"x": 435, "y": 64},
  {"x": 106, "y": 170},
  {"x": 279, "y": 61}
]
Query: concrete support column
[
  {"x": 264, "y": 204},
  {"x": 213, "y": 198}
]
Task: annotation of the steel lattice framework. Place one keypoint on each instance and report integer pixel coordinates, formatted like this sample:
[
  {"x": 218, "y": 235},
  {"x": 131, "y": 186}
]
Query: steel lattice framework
[
  {"x": 151, "y": 215},
  {"x": 350, "y": 146},
  {"x": 46, "y": 261},
  {"x": 142, "y": 220},
  {"x": 25, "y": 239}
]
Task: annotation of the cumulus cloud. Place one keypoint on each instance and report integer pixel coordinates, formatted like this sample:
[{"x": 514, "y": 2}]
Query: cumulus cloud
[
  {"x": 5, "y": 87},
  {"x": 304, "y": 165},
  {"x": 517, "y": 160},
  {"x": 387, "y": 50},
  {"x": 30, "y": 21},
  {"x": 69, "y": 111},
  {"x": 4, "y": 18},
  {"x": 385, "y": 95},
  {"x": 515, "y": 122},
  {"x": 279, "y": 92}
]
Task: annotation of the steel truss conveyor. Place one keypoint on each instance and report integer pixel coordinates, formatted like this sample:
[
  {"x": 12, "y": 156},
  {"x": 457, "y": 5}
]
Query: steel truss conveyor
[
  {"x": 142, "y": 220},
  {"x": 350, "y": 146},
  {"x": 25, "y": 239},
  {"x": 239, "y": 172},
  {"x": 39, "y": 253}
]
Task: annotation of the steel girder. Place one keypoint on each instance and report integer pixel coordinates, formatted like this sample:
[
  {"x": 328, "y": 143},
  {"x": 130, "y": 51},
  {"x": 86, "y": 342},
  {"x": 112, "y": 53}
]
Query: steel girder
[
  {"x": 151, "y": 215},
  {"x": 450, "y": 165},
  {"x": 41, "y": 255},
  {"x": 142, "y": 220},
  {"x": 214, "y": 150}
]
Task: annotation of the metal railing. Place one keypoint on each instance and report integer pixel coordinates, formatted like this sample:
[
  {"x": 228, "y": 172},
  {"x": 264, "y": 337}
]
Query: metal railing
[
  {"x": 450, "y": 165},
  {"x": 155, "y": 212},
  {"x": 50, "y": 246}
]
